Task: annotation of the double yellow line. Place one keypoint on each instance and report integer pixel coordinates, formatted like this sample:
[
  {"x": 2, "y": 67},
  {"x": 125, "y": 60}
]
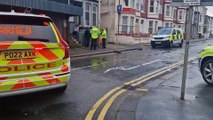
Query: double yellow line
[{"x": 114, "y": 93}]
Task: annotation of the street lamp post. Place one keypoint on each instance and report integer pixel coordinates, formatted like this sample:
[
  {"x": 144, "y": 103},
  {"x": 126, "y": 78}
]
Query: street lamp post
[{"x": 99, "y": 15}]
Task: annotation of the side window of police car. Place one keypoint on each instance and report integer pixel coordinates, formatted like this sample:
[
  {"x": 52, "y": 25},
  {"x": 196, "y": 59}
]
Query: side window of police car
[
  {"x": 179, "y": 34},
  {"x": 174, "y": 32}
]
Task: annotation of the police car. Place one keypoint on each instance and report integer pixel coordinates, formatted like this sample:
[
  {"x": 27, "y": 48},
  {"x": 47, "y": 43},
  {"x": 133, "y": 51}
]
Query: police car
[
  {"x": 206, "y": 64},
  {"x": 33, "y": 55},
  {"x": 167, "y": 37}
]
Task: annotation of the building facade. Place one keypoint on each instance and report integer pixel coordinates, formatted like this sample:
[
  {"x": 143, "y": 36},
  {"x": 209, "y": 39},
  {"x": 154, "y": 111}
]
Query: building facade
[{"x": 139, "y": 19}]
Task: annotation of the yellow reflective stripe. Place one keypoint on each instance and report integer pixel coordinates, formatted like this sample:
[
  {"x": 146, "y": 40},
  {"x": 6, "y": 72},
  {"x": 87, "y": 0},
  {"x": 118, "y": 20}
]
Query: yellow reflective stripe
[
  {"x": 38, "y": 81},
  {"x": 64, "y": 79},
  {"x": 171, "y": 37},
  {"x": 26, "y": 45},
  {"x": 4, "y": 62},
  {"x": 56, "y": 35},
  {"x": 15, "y": 45},
  {"x": 59, "y": 52},
  {"x": 7, "y": 85}
]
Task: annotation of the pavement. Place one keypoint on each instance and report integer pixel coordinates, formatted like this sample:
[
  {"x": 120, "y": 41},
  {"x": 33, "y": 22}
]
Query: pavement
[
  {"x": 162, "y": 102},
  {"x": 79, "y": 52},
  {"x": 110, "y": 48}
]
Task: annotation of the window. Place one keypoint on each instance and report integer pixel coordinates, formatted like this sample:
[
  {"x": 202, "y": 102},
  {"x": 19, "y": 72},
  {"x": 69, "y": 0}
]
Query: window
[
  {"x": 175, "y": 14},
  {"x": 26, "y": 28},
  {"x": 157, "y": 7},
  {"x": 124, "y": 24},
  {"x": 131, "y": 25},
  {"x": 151, "y": 6},
  {"x": 150, "y": 27},
  {"x": 87, "y": 13},
  {"x": 167, "y": 10},
  {"x": 180, "y": 15},
  {"x": 94, "y": 15},
  {"x": 141, "y": 26},
  {"x": 174, "y": 32},
  {"x": 201, "y": 18},
  {"x": 156, "y": 26},
  {"x": 137, "y": 5},
  {"x": 160, "y": 9},
  {"x": 172, "y": 11},
  {"x": 199, "y": 28},
  {"x": 167, "y": 25},
  {"x": 171, "y": 25},
  {"x": 178, "y": 32},
  {"x": 132, "y": 3},
  {"x": 142, "y": 5}
]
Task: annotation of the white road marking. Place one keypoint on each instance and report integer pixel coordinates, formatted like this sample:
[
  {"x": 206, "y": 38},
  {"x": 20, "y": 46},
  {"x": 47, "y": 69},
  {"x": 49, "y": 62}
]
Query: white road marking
[
  {"x": 131, "y": 68},
  {"x": 79, "y": 68}
]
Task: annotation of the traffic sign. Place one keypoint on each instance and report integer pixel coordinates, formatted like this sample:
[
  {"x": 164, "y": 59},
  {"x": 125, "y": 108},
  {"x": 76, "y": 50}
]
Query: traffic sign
[
  {"x": 181, "y": 2},
  {"x": 119, "y": 9},
  {"x": 192, "y": 2}
]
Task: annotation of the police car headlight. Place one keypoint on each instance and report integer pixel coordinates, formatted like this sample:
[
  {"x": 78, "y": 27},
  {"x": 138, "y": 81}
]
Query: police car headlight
[{"x": 166, "y": 37}]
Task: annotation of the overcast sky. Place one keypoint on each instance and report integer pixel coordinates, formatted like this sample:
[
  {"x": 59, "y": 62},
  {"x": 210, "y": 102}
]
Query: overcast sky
[{"x": 210, "y": 11}]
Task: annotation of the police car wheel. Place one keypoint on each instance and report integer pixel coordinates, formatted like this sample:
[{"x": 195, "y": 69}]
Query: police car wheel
[
  {"x": 207, "y": 72},
  {"x": 170, "y": 45},
  {"x": 181, "y": 44},
  {"x": 153, "y": 46}
]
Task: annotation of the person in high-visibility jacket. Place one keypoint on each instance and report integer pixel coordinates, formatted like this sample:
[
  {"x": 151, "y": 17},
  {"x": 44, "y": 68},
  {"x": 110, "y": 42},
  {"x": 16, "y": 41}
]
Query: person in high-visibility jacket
[
  {"x": 95, "y": 33},
  {"x": 104, "y": 36}
]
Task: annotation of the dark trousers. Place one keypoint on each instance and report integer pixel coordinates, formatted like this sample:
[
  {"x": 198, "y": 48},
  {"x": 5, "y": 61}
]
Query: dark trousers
[
  {"x": 87, "y": 42},
  {"x": 104, "y": 42},
  {"x": 93, "y": 44}
]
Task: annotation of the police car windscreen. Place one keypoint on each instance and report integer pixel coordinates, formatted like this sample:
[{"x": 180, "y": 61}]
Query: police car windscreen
[
  {"x": 25, "y": 28},
  {"x": 164, "y": 31}
]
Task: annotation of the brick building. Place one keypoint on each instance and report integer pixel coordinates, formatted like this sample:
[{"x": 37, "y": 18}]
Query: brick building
[{"x": 139, "y": 19}]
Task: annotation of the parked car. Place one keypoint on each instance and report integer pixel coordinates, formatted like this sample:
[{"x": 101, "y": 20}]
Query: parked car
[
  {"x": 206, "y": 64},
  {"x": 33, "y": 55},
  {"x": 167, "y": 37}
]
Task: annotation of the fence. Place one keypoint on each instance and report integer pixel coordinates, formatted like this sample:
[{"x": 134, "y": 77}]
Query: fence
[{"x": 130, "y": 30}]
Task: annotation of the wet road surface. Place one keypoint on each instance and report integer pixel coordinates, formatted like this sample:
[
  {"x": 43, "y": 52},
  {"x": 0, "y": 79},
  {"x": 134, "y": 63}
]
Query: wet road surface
[{"x": 91, "y": 79}]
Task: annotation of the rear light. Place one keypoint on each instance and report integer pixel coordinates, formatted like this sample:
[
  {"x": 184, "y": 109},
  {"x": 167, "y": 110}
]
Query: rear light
[{"x": 67, "y": 48}]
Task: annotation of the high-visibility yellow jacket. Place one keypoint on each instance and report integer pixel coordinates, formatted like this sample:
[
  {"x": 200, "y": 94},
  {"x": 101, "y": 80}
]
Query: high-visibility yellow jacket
[
  {"x": 104, "y": 34},
  {"x": 95, "y": 33}
]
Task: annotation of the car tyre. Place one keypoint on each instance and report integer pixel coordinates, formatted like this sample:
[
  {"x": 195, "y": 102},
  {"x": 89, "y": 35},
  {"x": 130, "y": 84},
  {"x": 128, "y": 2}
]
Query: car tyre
[
  {"x": 170, "y": 44},
  {"x": 207, "y": 72},
  {"x": 153, "y": 46},
  {"x": 181, "y": 44}
]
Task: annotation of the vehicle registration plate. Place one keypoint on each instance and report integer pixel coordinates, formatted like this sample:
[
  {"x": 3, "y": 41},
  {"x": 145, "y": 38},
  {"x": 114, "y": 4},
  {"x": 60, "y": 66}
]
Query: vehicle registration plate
[
  {"x": 9, "y": 55},
  {"x": 157, "y": 42}
]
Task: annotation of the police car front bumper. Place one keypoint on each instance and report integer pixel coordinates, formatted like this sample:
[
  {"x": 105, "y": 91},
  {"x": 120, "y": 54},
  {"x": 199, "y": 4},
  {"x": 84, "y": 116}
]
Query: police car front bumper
[{"x": 162, "y": 43}]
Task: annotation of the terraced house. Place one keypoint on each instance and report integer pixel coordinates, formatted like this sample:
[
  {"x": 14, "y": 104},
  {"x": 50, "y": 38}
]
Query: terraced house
[{"x": 139, "y": 19}]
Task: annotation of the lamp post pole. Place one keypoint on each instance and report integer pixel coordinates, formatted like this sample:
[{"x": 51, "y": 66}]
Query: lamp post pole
[{"x": 99, "y": 15}]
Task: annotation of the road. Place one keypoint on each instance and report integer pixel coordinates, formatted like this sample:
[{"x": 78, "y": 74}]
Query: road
[{"x": 91, "y": 79}]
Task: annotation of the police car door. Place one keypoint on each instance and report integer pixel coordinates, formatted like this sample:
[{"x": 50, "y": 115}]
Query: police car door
[
  {"x": 174, "y": 36},
  {"x": 179, "y": 36}
]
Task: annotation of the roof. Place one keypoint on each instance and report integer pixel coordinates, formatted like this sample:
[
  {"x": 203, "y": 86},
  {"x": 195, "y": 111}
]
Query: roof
[{"x": 45, "y": 5}]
